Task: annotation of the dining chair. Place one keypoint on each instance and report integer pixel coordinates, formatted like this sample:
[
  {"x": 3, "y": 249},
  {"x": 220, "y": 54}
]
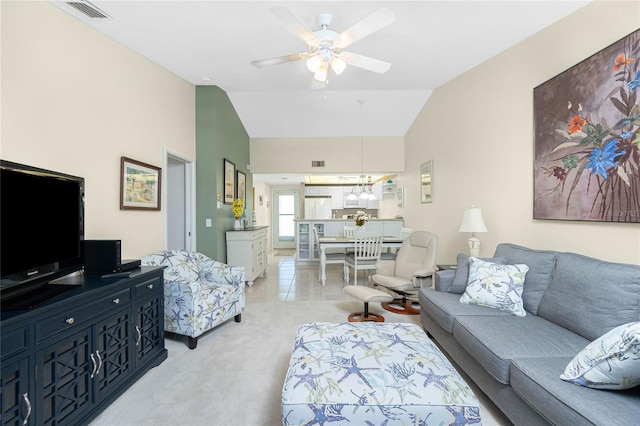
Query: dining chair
[
  {"x": 349, "y": 231},
  {"x": 365, "y": 256},
  {"x": 332, "y": 258}
]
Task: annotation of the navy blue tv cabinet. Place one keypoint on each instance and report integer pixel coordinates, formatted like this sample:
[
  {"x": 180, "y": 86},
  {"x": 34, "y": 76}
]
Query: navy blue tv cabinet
[{"x": 66, "y": 360}]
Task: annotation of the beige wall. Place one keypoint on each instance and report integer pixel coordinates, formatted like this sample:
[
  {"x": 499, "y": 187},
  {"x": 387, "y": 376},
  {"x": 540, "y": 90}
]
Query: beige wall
[
  {"x": 75, "y": 102},
  {"x": 478, "y": 129},
  {"x": 341, "y": 155}
]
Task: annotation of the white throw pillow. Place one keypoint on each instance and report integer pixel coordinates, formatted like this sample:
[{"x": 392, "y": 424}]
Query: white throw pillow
[
  {"x": 495, "y": 286},
  {"x": 612, "y": 361}
]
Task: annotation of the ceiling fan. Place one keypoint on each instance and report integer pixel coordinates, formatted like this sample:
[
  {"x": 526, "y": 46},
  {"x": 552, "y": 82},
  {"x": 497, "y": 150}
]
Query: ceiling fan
[{"x": 324, "y": 47}]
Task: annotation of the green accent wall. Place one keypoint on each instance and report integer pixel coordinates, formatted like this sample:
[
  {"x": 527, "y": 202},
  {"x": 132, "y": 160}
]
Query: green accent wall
[{"x": 219, "y": 134}]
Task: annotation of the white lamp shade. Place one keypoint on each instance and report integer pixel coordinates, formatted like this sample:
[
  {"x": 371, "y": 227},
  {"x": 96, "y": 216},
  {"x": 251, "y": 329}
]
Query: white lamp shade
[
  {"x": 321, "y": 74},
  {"x": 313, "y": 63},
  {"x": 472, "y": 221},
  {"x": 338, "y": 65}
]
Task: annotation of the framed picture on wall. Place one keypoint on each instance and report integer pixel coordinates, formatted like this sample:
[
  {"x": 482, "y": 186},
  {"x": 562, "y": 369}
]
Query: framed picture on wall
[
  {"x": 426, "y": 182},
  {"x": 229, "y": 181},
  {"x": 241, "y": 192},
  {"x": 139, "y": 185},
  {"x": 587, "y": 131}
]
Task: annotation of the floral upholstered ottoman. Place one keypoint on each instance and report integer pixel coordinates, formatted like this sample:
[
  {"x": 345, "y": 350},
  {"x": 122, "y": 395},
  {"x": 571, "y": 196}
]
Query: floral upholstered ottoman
[{"x": 373, "y": 374}]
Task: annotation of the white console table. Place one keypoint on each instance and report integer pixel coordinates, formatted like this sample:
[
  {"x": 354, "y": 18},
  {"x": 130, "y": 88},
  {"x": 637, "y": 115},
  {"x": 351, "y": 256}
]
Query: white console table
[{"x": 248, "y": 247}]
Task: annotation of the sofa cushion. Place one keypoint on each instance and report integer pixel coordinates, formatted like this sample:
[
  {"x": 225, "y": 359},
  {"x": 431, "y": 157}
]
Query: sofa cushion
[
  {"x": 495, "y": 340},
  {"x": 609, "y": 362},
  {"x": 461, "y": 277},
  {"x": 495, "y": 286},
  {"x": 536, "y": 381},
  {"x": 443, "y": 307},
  {"x": 590, "y": 296},
  {"x": 540, "y": 263}
]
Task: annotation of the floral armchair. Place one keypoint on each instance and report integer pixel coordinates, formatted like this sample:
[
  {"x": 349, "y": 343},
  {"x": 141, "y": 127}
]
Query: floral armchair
[{"x": 199, "y": 292}]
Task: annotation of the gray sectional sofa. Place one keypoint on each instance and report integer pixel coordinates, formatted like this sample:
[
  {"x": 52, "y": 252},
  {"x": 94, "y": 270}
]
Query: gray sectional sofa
[{"x": 570, "y": 300}]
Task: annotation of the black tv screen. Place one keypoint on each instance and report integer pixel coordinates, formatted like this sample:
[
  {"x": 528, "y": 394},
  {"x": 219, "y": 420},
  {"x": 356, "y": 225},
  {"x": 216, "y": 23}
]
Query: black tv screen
[{"x": 41, "y": 225}]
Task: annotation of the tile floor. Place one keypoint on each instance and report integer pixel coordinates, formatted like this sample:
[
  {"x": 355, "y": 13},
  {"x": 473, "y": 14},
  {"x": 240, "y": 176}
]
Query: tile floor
[{"x": 287, "y": 281}]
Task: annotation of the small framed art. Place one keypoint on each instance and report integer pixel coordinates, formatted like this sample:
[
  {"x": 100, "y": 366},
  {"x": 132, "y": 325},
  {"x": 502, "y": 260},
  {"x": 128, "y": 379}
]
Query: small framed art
[
  {"x": 241, "y": 190},
  {"x": 229, "y": 181},
  {"x": 139, "y": 185},
  {"x": 426, "y": 182}
]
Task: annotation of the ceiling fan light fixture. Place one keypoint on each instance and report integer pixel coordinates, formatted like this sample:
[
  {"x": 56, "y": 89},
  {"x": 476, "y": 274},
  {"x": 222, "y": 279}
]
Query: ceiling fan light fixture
[
  {"x": 337, "y": 65},
  {"x": 314, "y": 63},
  {"x": 321, "y": 74}
]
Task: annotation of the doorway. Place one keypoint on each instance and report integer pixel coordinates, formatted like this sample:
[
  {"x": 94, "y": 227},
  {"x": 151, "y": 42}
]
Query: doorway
[
  {"x": 179, "y": 202},
  {"x": 286, "y": 210}
]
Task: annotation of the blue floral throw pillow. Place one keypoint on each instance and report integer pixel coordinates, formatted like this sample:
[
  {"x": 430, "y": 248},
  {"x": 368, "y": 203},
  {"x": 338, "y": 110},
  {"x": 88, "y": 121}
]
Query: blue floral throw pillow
[
  {"x": 610, "y": 362},
  {"x": 495, "y": 286}
]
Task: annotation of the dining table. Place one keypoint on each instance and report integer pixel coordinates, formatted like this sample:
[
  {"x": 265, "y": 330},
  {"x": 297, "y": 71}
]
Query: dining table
[{"x": 344, "y": 242}]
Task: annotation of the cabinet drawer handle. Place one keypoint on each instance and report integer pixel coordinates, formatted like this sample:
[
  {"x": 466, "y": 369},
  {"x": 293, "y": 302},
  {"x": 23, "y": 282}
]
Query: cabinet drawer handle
[
  {"x": 70, "y": 320},
  {"x": 93, "y": 363},
  {"x": 25, "y": 396},
  {"x": 116, "y": 301},
  {"x": 139, "y": 336},
  {"x": 99, "y": 362},
  {"x": 150, "y": 286}
]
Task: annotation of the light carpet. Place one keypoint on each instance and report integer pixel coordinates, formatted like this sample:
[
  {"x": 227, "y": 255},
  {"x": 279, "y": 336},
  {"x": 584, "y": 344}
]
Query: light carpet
[{"x": 235, "y": 375}]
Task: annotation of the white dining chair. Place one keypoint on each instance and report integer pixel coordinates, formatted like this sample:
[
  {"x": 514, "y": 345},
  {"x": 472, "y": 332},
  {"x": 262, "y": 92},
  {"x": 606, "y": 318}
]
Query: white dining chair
[
  {"x": 331, "y": 258},
  {"x": 349, "y": 232},
  {"x": 365, "y": 256}
]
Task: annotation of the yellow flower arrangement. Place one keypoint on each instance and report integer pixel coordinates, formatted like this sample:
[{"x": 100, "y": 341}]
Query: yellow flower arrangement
[{"x": 237, "y": 207}]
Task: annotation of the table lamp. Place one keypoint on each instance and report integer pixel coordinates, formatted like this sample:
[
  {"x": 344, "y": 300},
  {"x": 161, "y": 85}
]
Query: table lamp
[{"x": 472, "y": 222}]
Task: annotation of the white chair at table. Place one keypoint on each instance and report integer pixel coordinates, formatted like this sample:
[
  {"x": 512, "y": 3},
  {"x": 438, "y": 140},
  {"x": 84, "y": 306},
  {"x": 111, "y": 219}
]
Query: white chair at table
[
  {"x": 349, "y": 231},
  {"x": 331, "y": 258},
  {"x": 365, "y": 256}
]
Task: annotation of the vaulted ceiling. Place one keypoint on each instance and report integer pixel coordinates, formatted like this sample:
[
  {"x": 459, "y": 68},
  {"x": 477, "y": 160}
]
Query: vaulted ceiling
[{"x": 214, "y": 42}]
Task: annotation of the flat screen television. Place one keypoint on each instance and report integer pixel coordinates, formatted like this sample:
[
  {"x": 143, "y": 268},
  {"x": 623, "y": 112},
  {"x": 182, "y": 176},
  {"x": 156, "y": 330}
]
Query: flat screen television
[{"x": 41, "y": 232}]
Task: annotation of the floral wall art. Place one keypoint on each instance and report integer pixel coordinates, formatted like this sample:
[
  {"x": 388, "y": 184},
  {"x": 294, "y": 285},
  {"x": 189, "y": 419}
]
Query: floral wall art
[{"x": 587, "y": 138}]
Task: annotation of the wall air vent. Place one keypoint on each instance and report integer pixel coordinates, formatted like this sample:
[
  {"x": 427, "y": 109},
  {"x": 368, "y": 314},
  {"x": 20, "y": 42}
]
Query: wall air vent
[
  {"x": 317, "y": 163},
  {"x": 88, "y": 9}
]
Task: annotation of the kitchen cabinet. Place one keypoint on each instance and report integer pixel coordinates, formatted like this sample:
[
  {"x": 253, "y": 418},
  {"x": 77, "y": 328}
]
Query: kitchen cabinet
[
  {"x": 64, "y": 361},
  {"x": 333, "y": 228},
  {"x": 305, "y": 243},
  {"x": 392, "y": 228},
  {"x": 317, "y": 190},
  {"x": 337, "y": 195},
  {"x": 248, "y": 248}
]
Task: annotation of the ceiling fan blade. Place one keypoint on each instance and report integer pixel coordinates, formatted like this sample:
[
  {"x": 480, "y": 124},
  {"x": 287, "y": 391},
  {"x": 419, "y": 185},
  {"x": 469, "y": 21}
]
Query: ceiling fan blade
[
  {"x": 365, "y": 62},
  {"x": 261, "y": 63},
  {"x": 295, "y": 25},
  {"x": 370, "y": 24}
]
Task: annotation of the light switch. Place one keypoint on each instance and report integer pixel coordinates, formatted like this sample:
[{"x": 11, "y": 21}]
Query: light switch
[{"x": 207, "y": 223}]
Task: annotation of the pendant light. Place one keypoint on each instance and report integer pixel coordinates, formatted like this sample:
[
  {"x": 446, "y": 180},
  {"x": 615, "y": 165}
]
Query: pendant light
[{"x": 363, "y": 190}]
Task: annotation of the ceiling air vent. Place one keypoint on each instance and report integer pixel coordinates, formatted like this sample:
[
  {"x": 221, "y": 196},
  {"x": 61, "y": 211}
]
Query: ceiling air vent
[
  {"x": 317, "y": 163},
  {"x": 88, "y": 9}
]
